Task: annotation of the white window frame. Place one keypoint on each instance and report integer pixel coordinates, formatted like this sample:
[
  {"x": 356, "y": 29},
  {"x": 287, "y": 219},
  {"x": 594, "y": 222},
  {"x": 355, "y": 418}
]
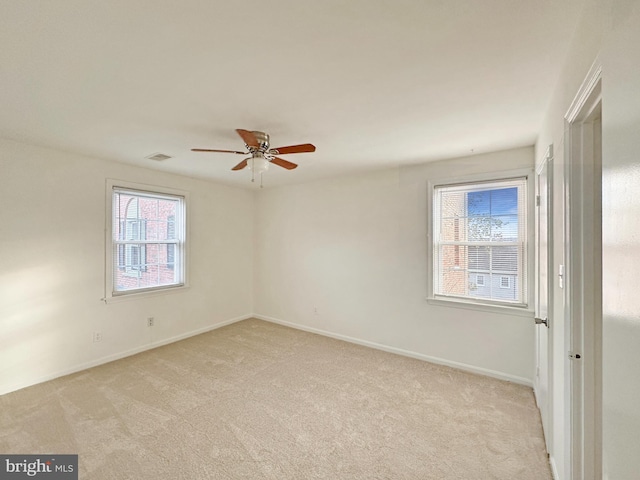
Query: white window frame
[
  {"x": 111, "y": 257},
  {"x": 525, "y": 310}
]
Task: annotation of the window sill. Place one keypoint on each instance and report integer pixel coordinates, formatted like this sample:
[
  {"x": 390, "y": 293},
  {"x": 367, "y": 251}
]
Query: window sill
[
  {"x": 144, "y": 294},
  {"x": 501, "y": 309}
]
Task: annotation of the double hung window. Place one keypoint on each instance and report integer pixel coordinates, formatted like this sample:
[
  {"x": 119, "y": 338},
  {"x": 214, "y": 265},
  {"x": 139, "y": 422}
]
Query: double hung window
[
  {"x": 147, "y": 240},
  {"x": 480, "y": 242}
]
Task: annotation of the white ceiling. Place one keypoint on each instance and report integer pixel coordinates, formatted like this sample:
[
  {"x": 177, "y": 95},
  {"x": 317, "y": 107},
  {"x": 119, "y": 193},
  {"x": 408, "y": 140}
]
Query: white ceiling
[{"x": 372, "y": 83}]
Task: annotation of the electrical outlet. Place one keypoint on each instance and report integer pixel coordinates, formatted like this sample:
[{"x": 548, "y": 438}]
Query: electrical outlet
[
  {"x": 97, "y": 337},
  {"x": 150, "y": 321}
]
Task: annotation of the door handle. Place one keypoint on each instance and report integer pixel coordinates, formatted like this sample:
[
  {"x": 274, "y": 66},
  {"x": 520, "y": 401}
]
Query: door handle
[{"x": 544, "y": 321}]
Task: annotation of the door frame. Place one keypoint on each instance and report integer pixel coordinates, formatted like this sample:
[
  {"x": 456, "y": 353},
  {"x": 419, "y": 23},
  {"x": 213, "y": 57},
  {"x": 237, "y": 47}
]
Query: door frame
[{"x": 583, "y": 297}]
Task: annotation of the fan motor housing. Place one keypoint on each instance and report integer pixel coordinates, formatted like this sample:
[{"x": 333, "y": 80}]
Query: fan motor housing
[{"x": 263, "y": 141}]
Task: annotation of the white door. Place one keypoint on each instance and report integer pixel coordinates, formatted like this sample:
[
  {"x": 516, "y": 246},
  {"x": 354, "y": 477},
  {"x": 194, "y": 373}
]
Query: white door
[{"x": 542, "y": 380}]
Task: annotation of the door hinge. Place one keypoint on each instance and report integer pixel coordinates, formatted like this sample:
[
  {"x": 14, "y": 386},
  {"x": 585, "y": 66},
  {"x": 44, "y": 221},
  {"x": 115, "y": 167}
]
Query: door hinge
[
  {"x": 574, "y": 356},
  {"x": 537, "y": 200}
]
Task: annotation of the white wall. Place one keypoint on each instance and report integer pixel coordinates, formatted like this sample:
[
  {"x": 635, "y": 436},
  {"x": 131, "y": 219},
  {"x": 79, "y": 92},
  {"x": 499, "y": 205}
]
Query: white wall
[
  {"x": 621, "y": 241},
  {"x": 52, "y": 263},
  {"x": 355, "y": 248},
  {"x": 609, "y": 30}
]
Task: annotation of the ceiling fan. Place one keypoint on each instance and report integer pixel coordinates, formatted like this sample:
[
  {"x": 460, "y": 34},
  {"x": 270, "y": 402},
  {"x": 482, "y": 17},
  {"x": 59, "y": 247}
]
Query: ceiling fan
[{"x": 257, "y": 144}]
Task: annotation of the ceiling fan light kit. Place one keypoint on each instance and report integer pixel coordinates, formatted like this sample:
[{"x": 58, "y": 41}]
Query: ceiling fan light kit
[
  {"x": 258, "y": 164},
  {"x": 257, "y": 144}
]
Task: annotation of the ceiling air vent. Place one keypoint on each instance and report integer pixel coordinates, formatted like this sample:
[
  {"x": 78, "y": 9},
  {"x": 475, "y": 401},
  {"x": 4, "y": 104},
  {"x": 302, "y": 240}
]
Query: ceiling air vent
[{"x": 158, "y": 157}]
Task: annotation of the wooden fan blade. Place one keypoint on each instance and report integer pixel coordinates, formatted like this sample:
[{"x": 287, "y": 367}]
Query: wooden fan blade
[
  {"x": 283, "y": 163},
  {"x": 241, "y": 165},
  {"x": 249, "y": 138},
  {"x": 302, "y": 148},
  {"x": 219, "y": 151}
]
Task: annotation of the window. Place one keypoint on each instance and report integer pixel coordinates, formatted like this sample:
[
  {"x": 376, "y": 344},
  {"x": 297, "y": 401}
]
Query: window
[
  {"x": 132, "y": 257},
  {"x": 480, "y": 242},
  {"x": 147, "y": 241}
]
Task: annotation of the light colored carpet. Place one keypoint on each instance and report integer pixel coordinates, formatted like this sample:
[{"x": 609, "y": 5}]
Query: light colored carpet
[{"x": 260, "y": 401}]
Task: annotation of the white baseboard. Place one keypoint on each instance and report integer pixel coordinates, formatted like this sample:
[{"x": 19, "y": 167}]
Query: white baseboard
[
  {"x": 554, "y": 468},
  {"x": 400, "y": 351},
  {"x": 119, "y": 355}
]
